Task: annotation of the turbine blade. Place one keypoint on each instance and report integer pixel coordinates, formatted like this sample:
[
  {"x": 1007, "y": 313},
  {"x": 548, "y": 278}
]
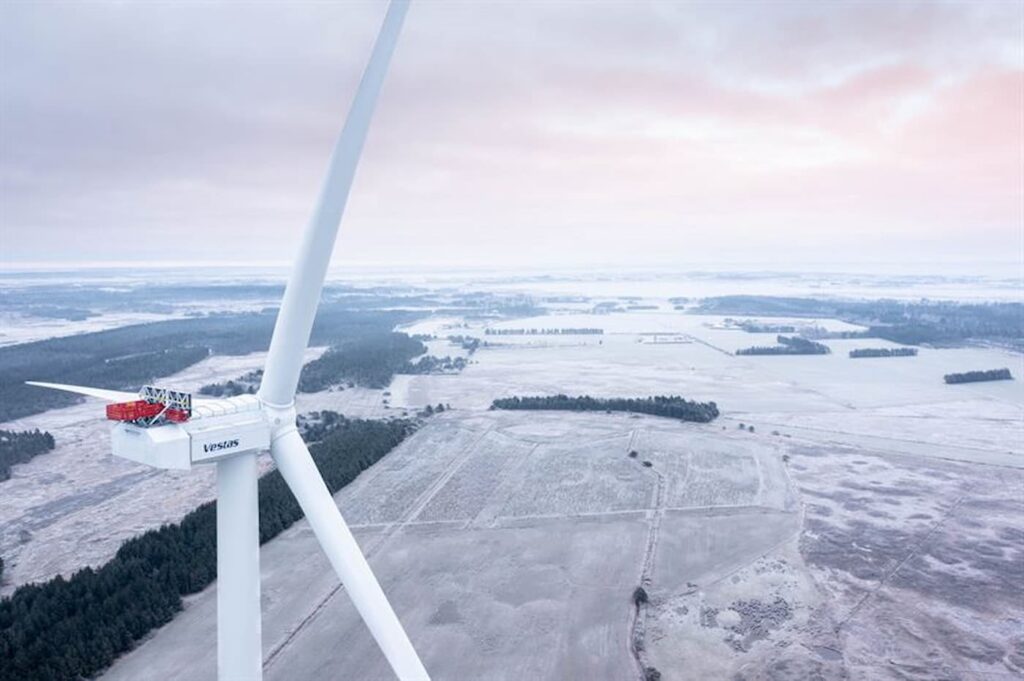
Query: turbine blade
[
  {"x": 300, "y": 472},
  {"x": 101, "y": 393},
  {"x": 298, "y": 309}
]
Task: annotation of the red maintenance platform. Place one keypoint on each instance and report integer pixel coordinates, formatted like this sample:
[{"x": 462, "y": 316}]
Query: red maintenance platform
[{"x": 156, "y": 406}]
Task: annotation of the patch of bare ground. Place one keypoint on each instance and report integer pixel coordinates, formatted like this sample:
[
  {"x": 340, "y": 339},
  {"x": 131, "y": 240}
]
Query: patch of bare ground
[{"x": 922, "y": 561}]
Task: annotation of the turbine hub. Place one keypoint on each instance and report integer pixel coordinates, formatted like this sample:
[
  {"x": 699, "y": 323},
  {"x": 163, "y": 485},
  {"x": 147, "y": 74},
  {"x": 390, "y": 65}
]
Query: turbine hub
[{"x": 280, "y": 418}]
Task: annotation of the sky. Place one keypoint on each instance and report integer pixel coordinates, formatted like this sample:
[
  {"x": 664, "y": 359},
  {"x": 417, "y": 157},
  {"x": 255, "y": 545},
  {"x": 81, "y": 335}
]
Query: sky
[{"x": 518, "y": 134}]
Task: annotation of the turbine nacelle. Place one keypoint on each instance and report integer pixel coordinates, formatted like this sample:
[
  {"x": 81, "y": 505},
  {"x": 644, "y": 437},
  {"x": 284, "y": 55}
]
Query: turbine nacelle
[
  {"x": 217, "y": 430},
  {"x": 166, "y": 428}
]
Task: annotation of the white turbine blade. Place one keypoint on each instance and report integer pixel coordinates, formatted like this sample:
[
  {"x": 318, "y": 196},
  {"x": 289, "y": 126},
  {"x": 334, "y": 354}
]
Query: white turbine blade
[
  {"x": 101, "y": 393},
  {"x": 298, "y": 309},
  {"x": 302, "y": 476}
]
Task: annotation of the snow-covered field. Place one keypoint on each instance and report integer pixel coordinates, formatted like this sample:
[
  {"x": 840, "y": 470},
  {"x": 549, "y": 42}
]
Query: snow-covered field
[
  {"x": 74, "y": 506},
  {"x": 510, "y": 542},
  {"x": 898, "y": 401}
]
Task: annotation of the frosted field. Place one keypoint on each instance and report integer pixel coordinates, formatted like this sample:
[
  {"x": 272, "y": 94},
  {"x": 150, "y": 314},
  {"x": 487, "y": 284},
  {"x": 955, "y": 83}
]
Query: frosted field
[
  {"x": 510, "y": 544},
  {"x": 900, "y": 402},
  {"x": 887, "y": 547}
]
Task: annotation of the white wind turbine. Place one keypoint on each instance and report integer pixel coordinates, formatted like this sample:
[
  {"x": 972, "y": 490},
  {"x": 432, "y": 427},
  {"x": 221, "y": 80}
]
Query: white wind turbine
[{"x": 162, "y": 429}]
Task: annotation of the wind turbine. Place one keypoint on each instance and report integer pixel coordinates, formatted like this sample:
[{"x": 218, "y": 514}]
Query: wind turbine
[{"x": 166, "y": 430}]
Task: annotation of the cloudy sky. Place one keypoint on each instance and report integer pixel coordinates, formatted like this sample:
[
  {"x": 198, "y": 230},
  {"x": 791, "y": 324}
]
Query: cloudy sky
[{"x": 517, "y": 133}]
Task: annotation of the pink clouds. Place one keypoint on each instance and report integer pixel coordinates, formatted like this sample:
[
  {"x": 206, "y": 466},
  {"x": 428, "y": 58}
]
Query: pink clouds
[{"x": 700, "y": 130}]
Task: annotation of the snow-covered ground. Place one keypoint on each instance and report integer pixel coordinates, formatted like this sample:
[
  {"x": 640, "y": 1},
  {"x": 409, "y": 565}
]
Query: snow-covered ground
[
  {"x": 74, "y": 506},
  {"x": 900, "y": 402},
  {"x": 510, "y": 542}
]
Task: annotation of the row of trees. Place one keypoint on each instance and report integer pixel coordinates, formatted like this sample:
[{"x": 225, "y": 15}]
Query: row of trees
[
  {"x": 544, "y": 332},
  {"x": 883, "y": 352},
  {"x": 975, "y": 376},
  {"x": 71, "y": 314},
  {"x": 370, "y": 361},
  {"x": 73, "y": 628},
  {"x": 788, "y": 345},
  {"x": 428, "y": 364},
  {"x": 751, "y": 326},
  {"x": 247, "y": 384},
  {"x": 19, "y": 447},
  {"x": 315, "y": 425},
  {"x": 821, "y": 333},
  {"x": 671, "y": 406},
  {"x": 468, "y": 343}
]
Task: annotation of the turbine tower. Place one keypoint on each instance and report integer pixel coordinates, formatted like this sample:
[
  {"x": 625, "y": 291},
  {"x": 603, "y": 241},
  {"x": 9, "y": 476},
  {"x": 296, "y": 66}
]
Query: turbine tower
[{"x": 164, "y": 428}]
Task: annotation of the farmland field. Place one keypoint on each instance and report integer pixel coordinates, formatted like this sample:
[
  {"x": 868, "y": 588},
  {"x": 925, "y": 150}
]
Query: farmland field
[{"x": 825, "y": 524}]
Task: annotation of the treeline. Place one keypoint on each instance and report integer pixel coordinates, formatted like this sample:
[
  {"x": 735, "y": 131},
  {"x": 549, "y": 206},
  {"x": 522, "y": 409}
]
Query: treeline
[
  {"x": 883, "y": 352},
  {"x": 132, "y": 356},
  {"x": 975, "y": 376},
  {"x": 73, "y": 628},
  {"x": 544, "y": 332},
  {"x": 86, "y": 298},
  {"x": 904, "y": 322},
  {"x": 788, "y": 345},
  {"x": 94, "y": 296},
  {"x": 246, "y": 384},
  {"x": 19, "y": 447},
  {"x": 467, "y": 343},
  {"x": 316, "y": 425},
  {"x": 751, "y": 326},
  {"x": 370, "y": 361},
  {"x": 670, "y": 406},
  {"x": 71, "y": 314},
  {"x": 821, "y": 333},
  {"x": 429, "y": 364}
]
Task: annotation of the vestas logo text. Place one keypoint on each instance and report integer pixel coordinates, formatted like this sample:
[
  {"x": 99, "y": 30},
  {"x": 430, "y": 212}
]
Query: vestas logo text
[{"x": 219, "y": 446}]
